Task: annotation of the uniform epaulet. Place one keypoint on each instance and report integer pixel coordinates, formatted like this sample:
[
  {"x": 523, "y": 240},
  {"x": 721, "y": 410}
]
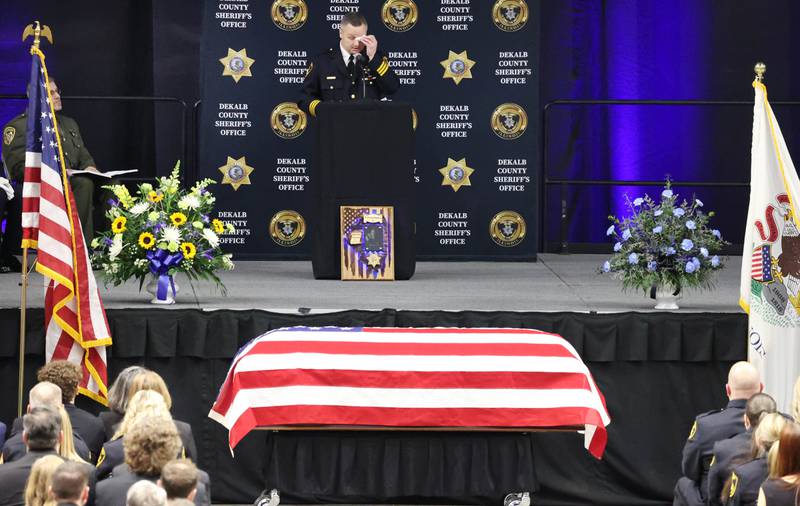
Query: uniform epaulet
[{"x": 712, "y": 412}]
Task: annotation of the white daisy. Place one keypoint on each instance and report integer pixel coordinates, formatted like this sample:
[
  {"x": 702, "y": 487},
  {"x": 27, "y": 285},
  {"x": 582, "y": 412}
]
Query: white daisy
[
  {"x": 211, "y": 237},
  {"x": 116, "y": 247},
  {"x": 171, "y": 235},
  {"x": 139, "y": 208},
  {"x": 189, "y": 202}
]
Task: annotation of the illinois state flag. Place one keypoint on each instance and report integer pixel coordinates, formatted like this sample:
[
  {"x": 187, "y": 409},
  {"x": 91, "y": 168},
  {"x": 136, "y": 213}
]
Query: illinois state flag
[{"x": 770, "y": 280}]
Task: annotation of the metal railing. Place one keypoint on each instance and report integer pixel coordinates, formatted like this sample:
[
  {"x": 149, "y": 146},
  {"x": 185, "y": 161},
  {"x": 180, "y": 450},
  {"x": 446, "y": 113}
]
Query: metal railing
[{"x": 564, "y": 183}]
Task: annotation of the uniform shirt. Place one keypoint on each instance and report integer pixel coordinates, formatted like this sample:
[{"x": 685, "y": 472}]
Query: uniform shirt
[
  {"x": 709, "y": 428},
  {"x": 727, "y": 453},
  {"x": 746, "y": 479},
  {"x": 327, "y": 79},
  {"x": 76, "y": 156}
]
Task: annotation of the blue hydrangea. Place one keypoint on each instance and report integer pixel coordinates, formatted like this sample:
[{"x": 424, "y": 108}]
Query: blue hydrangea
[
  {"x": 678, "y": 212},
  {"x": 715, "y": 261},
  {"x": 687, "y": 244},
  {"x": 610, "y": 230},
  {"x": 626, "y": 234},
  {"x": 690, "y": 267},
  {"x": 658, "y": 212},
  {"x": 606, "y": 266},
  {"x": 652, "y": 266},
  {"x": 667, "y": 193},
  {"x": 633, "y": 259},
  {"x": 716, "y": 233},
  {"x": 658, "y": 229},
  {"x": 698, "y": 202},
  {"x": 669, "y": 251},
  {"x": 638, "y": 201},
  {"x": 704, "y": 252},
  {"x": 618, "y": 246},
  {"x": 696, "y": 262},
  {"x": 691, "y": 225}
]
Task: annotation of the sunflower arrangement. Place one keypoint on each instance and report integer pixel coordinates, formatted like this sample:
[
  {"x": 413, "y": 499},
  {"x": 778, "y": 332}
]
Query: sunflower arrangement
[{"x": 161, "y": 231}]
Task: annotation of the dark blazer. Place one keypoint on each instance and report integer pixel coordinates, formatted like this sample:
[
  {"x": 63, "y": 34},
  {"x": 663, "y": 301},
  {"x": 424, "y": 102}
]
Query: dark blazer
[
  {"x": 746, "y": 479},
  {"x": 727, "y": 453},
  {"x": 14, "y": 448},
  {"x": 113, "y": 454},
  {"x": 112, "y": 419},
  {"x": 112, "y": 492},
  {"x": 14, "y": 475},
  {"x": 85, "y": 424}
]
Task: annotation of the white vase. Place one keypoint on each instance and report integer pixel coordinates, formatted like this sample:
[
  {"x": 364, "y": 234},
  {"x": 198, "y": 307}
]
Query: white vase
[
  {"x": 152, "y": 289},
  {"x": 666, "y": 298}
]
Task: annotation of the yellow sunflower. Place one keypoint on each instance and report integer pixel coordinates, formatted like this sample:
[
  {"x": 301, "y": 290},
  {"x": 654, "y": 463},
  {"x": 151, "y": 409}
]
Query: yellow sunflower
[
  {"x": 147, "y": 240},
  {"x": 189, "y": 250},
  {"x": 219, "y": 227},
  {"x": 154, "y": 196},
  {"x": 178, "y": 219},
  {"x": 118, "y": 225}
]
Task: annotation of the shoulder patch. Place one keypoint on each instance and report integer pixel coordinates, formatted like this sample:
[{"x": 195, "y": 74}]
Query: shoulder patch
[
  {"x": 734, "y": 483},
  {"x": 693, "y": 432},
  {"x": 713, "y": 461},
  {"x": 102, "y": 457},
  {"x": 8, "y": 135},
  {"x": 310, "y": 68}
]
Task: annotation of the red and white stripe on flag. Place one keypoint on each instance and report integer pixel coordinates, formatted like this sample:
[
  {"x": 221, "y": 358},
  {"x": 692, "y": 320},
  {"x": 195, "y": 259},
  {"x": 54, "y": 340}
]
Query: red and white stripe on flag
[
  {"x": 411, "y": 377},
  {"x": 76, "y": 325}
]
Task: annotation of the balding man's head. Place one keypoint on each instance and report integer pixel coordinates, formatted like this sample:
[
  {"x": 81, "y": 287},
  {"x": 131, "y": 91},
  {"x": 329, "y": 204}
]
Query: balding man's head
[
  {"x": 743, "y": 381},
  {"x": 44, "y": 394}
]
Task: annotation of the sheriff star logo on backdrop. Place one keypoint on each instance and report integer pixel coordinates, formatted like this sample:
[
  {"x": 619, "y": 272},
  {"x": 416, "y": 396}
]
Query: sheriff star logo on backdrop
[
  {"x": 237, "y": 64},
  {"x": 457, "y": 66},
  {"x": 236, "y": 172},
  {"x": 456, "y": 174}
]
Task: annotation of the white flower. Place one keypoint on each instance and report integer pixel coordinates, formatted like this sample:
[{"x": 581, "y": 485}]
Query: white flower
[
  {"x": 139, "y": 208},
  {"x": 211, "y": 237},
  {"x": 116, "y": 247},
  {"x": 114, "y": 268},
  {"x": 189, "y": 202},
  {"x": 153, "y": 216},
  {"x": 95, "y": 242},
  {"x": 227, "y": 263},
  {"x": 171, "y": 235}
]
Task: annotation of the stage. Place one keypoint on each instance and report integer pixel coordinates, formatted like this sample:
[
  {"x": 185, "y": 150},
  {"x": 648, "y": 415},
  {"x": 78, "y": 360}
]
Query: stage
[
  {"x": 553, "y": 283},
  {"x": 656, "y": 370}
]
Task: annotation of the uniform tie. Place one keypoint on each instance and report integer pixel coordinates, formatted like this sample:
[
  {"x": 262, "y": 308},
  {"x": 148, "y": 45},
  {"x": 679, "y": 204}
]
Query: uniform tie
[{"x": 351, "y": 65}]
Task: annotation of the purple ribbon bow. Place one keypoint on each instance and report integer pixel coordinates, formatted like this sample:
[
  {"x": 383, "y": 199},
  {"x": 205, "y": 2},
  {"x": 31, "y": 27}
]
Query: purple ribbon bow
[{"x": 161, "y": 261}]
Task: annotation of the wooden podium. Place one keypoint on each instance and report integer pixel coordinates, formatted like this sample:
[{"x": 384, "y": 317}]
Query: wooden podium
[{"x": 364, "y": 156}]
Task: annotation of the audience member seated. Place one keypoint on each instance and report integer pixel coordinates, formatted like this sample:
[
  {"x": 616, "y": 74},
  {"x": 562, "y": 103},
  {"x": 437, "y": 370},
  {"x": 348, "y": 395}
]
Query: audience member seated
[
  {"x": 118, "y": 400},
  {"x": 746, "y": 478},
  {"x": 783, "y": 486},
  {"x": 41, "y": 436},
  {"x": 43, "y": 394},
  {"x": 737, "y": 449},
  {"x": 70, "y": 484},
  {"x": 68, "y": 376},
  {"x": 150, "y": 380},
  {"x": 145, "y": 493},
  {"x": 37, "y": 490},
  {"x": 179, "y": 480},
  {"x": 144, "y": 404},
  {"x": 149, "y": 444},
  {"x": 691, "y": 489}
]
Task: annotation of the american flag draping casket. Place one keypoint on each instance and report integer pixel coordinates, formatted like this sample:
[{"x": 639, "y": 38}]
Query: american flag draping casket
[{"x": 413, "y": 378}]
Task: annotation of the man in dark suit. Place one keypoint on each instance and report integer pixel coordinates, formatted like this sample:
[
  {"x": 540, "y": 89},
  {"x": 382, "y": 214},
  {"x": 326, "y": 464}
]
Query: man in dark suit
[
  {"x": 70, "y": 484},
  {"x": 43, "y": 394},
  {"x": 354, "y": 70},
  {"x": 708, "y": 428},
  {"x": 728, "y": 452},
  {"x": 41, "y": 436}
]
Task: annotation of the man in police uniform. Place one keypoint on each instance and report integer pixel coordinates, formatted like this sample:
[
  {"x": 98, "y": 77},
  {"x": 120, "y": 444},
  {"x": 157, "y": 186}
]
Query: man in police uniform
[
  {"x": 355, "y": 70},
  {"x": 76, "y": 157},
  {"x": 743, "y": 382}
]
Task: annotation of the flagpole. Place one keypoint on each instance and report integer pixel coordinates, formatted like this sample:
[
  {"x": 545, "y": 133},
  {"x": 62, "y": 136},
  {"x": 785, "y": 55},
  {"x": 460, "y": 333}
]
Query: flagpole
[{"x": 22, "y": 311}]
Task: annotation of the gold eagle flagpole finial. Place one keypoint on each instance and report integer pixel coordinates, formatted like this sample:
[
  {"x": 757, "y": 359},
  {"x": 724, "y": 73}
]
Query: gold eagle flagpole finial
[
  {"x": 37, "y": 30},
  {"x": 760, "y": 70}
]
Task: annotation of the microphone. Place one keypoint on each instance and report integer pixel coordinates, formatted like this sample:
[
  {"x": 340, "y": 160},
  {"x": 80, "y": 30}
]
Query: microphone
[{"x": 361, "y": 61}]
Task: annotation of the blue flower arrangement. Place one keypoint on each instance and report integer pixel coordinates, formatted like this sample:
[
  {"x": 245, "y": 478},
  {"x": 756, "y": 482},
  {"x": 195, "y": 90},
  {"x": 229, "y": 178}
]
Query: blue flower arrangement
[{"x": 664, "y": 244}]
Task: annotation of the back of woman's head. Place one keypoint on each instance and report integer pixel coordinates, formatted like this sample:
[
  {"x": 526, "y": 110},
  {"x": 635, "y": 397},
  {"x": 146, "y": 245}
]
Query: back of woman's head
[
  {"x": 37, "y": 488},
  {"x": 767, "y": 432},
  {"x": 143, "y": 404},
  {"x": 67, "y": 447},
  {"x": 785, "y": 454},
  {"x": 149, "y": 380},
  {"x": 118, "y": 393}
]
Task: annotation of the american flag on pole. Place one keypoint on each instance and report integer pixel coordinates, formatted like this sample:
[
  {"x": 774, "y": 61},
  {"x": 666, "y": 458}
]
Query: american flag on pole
[
  {"x": 75, "y": 321},
  {"x": 411, "y": 377}
]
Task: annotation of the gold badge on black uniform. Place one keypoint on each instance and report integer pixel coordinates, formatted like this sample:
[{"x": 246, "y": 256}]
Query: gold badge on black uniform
[
  {"x": 289, "y": 15},
  {"x": 507, "y": 228},
  {"x": 510, "y": 15},
  {"x": 287, "y": 228},
  {"x": 399, "y": 15},
  {"x": 509, "y": 121},
  {"x": 8, "y": 135},
  {"x": 288, "y": 120}
]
